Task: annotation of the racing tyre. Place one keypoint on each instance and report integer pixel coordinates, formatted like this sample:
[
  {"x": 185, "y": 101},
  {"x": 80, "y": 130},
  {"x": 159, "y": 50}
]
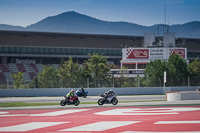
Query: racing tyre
[
  {"x": 76, "y": 102},
  {"x": 85, "y": 95},
  {"x": 63, "y": 103},
  {"x": 114, "y": 101},
  {"x": 100, "y": 101}
]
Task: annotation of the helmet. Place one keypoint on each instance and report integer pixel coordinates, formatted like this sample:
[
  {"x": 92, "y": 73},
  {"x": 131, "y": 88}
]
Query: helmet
[
  {"x": 72, "y": 90},
  {"x": 111, "y": 90}
]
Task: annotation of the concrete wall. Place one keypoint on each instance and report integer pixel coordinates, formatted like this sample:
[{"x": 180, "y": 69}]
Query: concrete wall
[
  {"x": 178, "y": 96},
  {"x": 92, "y": 91}
]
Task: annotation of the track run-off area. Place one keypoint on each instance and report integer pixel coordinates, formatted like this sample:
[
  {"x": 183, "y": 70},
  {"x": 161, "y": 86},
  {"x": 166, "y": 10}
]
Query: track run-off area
[{"x": 140, "y": 119}]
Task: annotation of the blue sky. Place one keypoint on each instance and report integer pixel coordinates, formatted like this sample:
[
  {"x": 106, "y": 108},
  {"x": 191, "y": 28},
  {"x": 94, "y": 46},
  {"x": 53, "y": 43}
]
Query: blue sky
[{"x": 143, "y": 12}]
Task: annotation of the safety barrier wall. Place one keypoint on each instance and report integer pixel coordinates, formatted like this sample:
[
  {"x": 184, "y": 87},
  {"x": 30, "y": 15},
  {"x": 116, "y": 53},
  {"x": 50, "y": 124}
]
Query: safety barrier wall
[
  {"x": 91, "y": 91},
  {"x": 183, "y": 95}
]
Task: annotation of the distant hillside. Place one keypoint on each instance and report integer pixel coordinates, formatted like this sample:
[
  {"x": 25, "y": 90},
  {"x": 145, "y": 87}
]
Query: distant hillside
[
  {"x": 10, "y": 27},
  {"x": 72, "y": 22}
]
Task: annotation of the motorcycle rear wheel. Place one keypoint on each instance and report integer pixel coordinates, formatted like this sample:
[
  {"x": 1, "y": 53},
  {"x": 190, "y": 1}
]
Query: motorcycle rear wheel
[
  {"x": 76, "y": 102},
  {"x": 100, "y": 101},
  {"x": 63, "y": 103}
]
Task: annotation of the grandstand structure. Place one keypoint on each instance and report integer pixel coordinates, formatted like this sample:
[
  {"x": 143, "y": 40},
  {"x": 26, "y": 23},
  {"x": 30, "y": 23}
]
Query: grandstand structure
[{"x": 27, "y": 52}]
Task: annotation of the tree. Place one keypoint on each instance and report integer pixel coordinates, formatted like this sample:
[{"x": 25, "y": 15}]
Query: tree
[
  {"x": 69, "y": 73},
  {"x": 194, "y": 68},
  {"x": 153, "y": 73},
  {"x": 48, "y": 77},
  {"x": 177, "y": 70},
  {"x": 18, "y": 80},
  {"x": 137, "y": 81},
  {"x": 34, "y": 83},
  {"x": 194, "y": 72},
  {"x": 122, "y": 80},
  {"x": 97, "y": 68},
  {"x": 177, "y": 66}
]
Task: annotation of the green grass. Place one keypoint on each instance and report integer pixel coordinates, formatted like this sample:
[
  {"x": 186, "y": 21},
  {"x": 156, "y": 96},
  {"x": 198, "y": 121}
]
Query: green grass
[{"x": 23, "y": 104}]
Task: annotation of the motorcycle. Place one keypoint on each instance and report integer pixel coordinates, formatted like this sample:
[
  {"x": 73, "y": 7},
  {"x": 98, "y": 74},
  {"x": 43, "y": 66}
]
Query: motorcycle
[
  {"x": 109, "y": 100},
  {"x": 79, "y": 93},
  {"x": 73, "y": 100}
]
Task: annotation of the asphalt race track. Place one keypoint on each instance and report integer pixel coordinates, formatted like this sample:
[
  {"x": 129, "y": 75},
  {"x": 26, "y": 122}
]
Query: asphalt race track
[
  {"x": 132, "y": 117},
  {"x": 116, "y": 119}
]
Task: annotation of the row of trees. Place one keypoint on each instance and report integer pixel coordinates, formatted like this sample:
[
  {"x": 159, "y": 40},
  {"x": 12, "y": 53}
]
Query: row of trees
[
  {"x": 70, "y": 74},
  {"x": 178, "y": 72},
  {"x": 96, "y": 69}
]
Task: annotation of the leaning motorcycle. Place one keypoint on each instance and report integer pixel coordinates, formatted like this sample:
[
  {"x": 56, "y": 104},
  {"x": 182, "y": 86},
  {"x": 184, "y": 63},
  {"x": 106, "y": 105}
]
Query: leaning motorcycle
[
  {"x": 79, "y": 93},
  {"x": 104, "y": 100},
  {"x": 73, "y": 100}
]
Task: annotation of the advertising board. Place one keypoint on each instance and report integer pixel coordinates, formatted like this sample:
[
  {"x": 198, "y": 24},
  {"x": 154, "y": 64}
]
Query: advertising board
[
  {"x": 138, "y": 54},
  {"x": 152, "y": 53},
  {"x": 179, "y": 51},
  {"x": 157, "y": 53}
]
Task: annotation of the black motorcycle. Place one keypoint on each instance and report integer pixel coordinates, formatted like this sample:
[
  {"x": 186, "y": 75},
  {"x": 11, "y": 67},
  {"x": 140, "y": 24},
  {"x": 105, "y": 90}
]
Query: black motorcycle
[
  {"x": 107, "y": 100},
  {"x": 73, "y": 100}
]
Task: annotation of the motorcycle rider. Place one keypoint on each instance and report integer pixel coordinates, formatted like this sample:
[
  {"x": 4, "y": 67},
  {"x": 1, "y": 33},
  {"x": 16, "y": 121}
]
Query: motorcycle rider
[
  {"x": 109, "y": 94},
  {"x": 82, "y": 91},
  {"x": 70, "y": 94}
]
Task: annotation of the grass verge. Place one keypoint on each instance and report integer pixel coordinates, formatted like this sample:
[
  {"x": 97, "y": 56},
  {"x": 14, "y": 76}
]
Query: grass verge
[{"x": 22, "y": 104}]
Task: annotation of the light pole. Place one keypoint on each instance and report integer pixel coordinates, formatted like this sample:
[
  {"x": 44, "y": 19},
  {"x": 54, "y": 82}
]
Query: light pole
[
  {"x": 165, "y": 77},
  {"x": 113, "y": 81}
]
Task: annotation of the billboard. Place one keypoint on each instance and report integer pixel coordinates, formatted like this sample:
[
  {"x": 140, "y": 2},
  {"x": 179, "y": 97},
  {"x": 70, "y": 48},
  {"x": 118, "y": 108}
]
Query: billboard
[
  {"x": 152, "y": 53},
  {"x": 157, "y": 53},
  {"x": 137, "y": 53},
  {"x": 179, "y": 51}
]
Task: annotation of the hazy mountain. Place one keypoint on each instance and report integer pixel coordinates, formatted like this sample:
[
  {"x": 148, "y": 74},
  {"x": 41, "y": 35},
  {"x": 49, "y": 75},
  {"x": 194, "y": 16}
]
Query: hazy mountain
[
  {"x": 72, "y": 22},
  {"x": 10, "y": 27},
  {"x": 191, "y": 29}
]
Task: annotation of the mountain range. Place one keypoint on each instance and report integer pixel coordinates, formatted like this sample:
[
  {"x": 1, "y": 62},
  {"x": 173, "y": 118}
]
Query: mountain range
[{"x": 73, "y": 22}]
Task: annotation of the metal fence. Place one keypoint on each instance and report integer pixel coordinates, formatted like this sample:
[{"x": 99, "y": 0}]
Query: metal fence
[{"x": 110, "y": 82}]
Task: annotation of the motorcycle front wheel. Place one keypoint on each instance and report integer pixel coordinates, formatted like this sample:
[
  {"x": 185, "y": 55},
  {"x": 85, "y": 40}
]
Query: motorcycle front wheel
[
  {"x": 76, "y": 102},
  {"x": 63, "y": 103},
  {"x": 114, "y": 101},
  {"x": 100, "y": 101},
  {"x": 85, "y": 95}
]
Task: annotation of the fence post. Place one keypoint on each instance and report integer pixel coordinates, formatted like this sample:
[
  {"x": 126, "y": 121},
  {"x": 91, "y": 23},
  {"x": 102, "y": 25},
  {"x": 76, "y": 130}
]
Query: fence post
[
  {"x": 188, "y": 81},
  {"x": 7, "y": 84},
  {"x": 113, "y": 81},
  {"x": 87, "y": 82},
  {"x": 34, "y": 83},
  {"x": 138, "y": 80}
]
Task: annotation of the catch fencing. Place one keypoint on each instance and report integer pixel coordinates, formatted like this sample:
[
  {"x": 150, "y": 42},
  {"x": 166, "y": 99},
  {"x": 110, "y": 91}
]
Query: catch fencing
[
  {"x": 110, "y": 82},
  {"x": 91, "y": 91}
]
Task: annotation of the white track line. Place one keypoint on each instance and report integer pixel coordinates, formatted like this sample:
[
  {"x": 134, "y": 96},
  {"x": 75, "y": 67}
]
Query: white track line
[
  {"x": 160, "y": 132},
  {"x": 176, "y": 122},
  {"x": 101, "y": 126},
  {"x": 61, "y": 112},
  {"x": 30, "y": 126},
  {"x": 55, "y": 113}
]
